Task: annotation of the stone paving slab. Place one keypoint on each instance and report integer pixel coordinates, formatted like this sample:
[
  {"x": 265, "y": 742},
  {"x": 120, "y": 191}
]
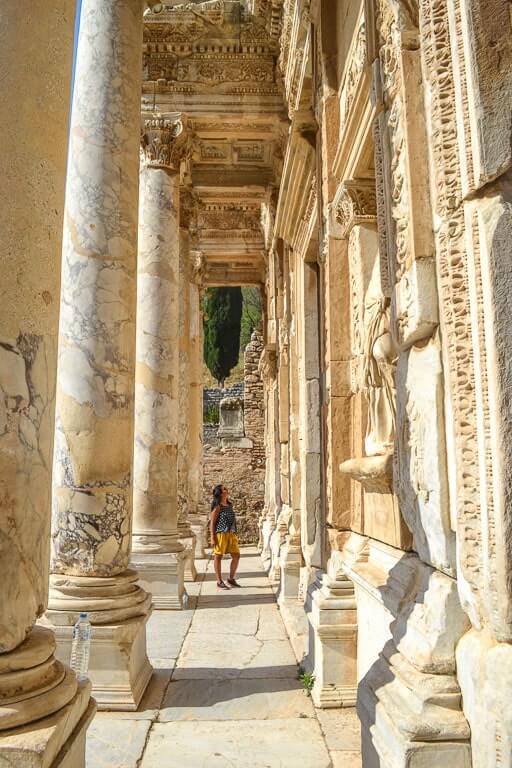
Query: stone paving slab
[
  {"x": 221, "y": 656},
  {"x": 341, "y": 728},
  {"x": 246, "y": 699},
  {"x": 346, "y": 759},
  {"x": 242, "y": 743},
  {"x": 165, "y": 633},
  {"x": 224, "y": 691},
  {"x": 116, "y": 742}
]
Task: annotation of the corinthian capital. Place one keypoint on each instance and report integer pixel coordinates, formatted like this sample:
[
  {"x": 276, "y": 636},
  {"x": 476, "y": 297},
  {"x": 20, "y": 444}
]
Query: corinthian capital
[{"x": 165, "y": 141}]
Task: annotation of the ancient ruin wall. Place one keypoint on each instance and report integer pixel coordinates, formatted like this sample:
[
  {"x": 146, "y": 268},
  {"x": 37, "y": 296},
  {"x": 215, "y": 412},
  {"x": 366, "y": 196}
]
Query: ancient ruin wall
[{"x": 241, "y": 469}]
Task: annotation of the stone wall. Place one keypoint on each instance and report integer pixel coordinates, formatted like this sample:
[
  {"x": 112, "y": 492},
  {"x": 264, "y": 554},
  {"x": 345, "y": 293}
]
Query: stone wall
[
  {"x": 242, "y": 470},
  {"x": 213, "y": 395}
]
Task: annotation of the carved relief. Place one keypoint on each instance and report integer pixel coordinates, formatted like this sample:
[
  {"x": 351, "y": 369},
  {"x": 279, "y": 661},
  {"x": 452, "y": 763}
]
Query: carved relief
[
  {"x": 249, "y": 151},
  {"x": 230, "y": 216},
  {"x": 353, "y": 76},
  {"x": 355, "y": 204},
  {"x": 453, "y": 286}
]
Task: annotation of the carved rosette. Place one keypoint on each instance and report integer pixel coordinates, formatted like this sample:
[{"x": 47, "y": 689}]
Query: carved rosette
[
  {"x": 165, "y": 141},
  {"x": 356, "y": 203}
]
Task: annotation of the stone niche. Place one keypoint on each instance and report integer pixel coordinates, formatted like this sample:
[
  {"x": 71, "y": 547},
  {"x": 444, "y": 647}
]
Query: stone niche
[{"x": 231, "y": 424}]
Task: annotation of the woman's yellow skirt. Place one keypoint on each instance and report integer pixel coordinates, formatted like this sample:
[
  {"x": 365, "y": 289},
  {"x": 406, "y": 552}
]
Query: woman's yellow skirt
[{"x": 227, "y": 544}]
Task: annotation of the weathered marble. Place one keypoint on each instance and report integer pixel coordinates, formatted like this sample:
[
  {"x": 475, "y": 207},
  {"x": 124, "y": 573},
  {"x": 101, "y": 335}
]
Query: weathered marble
[
  {"x": 34, "y": 108},
  {"x": 197, "y": 517},
  {"x": 92, "y": 504},
  {"x": 92, "y": 483},
  {"x": 185, "y": 532}
]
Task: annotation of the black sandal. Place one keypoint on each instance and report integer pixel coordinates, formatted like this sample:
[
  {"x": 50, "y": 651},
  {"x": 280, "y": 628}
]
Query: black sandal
[
  {"x": 234, "y": 583},
  {"x": 222, "y": 585}
]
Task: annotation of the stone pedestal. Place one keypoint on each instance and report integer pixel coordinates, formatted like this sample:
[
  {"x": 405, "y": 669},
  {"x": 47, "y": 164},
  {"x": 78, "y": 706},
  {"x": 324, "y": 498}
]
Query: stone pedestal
[
  {"x": 198, "y": 525},
  {"x": 118, "y": 610},
  {"x": 162, "y": 574},
  {"x": 333, "y": 618},
  {"x": 118, "y": 662},
  {"x": 290, "y": 562},
  {"x": 188, "y": 542},
  {"x": 277, "y": 539}
]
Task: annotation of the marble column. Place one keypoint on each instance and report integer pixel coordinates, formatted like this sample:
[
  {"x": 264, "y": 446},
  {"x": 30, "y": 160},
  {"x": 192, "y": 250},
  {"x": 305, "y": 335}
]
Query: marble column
[
  {"x": 92, "y": 505},
  {"x": 186, "y": 534},
  {"x": 197, "y": 515},
  {"x": 34, "y": 108},
  {"x": 158, "y": 554}
]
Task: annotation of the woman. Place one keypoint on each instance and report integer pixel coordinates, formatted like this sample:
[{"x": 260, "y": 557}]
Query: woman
[{"x": 224, "y": 538}]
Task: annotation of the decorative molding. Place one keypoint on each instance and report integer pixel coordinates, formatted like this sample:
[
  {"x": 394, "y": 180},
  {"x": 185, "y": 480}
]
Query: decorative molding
[{"x": 355, "y": 203}]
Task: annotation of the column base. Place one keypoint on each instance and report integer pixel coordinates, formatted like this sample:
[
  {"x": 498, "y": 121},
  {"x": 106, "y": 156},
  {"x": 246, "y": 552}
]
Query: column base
[
  {"x": 56, "y": 741},
  {"x": 199, "y": 531},
  {"x": 411, "y": 719},
  {"x": 333, "y": 620},
  {"x": 163, "y": 576},
  {"x": 290, "y": 563},
  {"x": 189, "y": 553},
  {"x": 119, "y": 668}
]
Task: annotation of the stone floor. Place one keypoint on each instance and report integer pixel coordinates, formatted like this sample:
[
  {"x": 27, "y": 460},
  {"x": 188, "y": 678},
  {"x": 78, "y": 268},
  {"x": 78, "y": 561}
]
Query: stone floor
[{"x": 225, "y": 691}]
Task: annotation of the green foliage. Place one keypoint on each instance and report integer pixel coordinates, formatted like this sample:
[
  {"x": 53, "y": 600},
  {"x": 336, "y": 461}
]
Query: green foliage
[
  {"x": 211, "y": 415},
  {"x": 223, "y": 314},
  {"x": 251, "y": 315},
  {"x": 307, "y": 679}
]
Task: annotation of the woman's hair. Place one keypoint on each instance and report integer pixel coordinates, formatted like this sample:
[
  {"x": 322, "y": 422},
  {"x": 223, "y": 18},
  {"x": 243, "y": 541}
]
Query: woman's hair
[{"x": 217, "y": 494}]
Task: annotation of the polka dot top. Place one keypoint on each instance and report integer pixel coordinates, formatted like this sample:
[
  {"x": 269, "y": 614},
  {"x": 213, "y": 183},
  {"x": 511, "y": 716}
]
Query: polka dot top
[{"x": 226, "y": 522}]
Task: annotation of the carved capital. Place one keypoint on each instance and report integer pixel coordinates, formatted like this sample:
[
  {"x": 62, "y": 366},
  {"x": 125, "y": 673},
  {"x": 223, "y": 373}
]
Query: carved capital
[
  {"x": 355, "y": 203},
  {"x": 165, "y": 141}
]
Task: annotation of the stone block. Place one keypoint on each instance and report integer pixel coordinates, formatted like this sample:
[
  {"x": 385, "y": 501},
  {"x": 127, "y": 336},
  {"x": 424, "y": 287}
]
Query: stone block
[
  {"x": 420, "y": 470},
  {"x": 119, "y": 668},
  {"x": 415, "y": 303},
  {"x": 57, "y": 741},
  {"x": 162, "y": 576}
]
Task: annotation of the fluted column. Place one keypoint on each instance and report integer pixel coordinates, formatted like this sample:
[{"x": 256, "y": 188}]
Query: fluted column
[
  {"x": 197, "y": 508},
  {"x": 95, "y": 384},
  {"x": 157, "y": 551},
  {"x": 186, "y": 534},
  {"x": 34, "y": 107}
]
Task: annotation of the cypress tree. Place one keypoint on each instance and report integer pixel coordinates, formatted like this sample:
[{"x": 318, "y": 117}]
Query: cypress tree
[{"x": 223, "y": 310}]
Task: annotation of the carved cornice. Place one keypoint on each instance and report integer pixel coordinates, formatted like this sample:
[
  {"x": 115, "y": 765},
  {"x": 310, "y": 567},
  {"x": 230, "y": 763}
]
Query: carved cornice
[
  {"x": 165, "y": 141},
  {"x": 355, "y": 203}
]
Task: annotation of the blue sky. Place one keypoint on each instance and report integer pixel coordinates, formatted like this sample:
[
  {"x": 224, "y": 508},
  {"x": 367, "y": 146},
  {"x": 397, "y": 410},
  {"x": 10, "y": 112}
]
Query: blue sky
[{"x": 77, "y": 28}]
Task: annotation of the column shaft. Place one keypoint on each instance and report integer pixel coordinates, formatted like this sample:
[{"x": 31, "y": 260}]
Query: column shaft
[
  {"x": 95, "y": 383},
  {"x": 157, "y": 552},
  {"x": 186, "y": 534},
  {"x": 197, "y": 517},
  {"x": 34, "y": 106}
]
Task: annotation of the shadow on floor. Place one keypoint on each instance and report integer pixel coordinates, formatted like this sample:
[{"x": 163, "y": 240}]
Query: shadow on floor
[
  {"x": 227, "y": 600},
  {"x": 202, "y": 692}
]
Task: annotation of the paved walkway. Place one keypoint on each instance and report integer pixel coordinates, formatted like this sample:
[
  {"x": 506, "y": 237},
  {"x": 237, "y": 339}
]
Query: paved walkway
[{"x": 225, "y": 691}]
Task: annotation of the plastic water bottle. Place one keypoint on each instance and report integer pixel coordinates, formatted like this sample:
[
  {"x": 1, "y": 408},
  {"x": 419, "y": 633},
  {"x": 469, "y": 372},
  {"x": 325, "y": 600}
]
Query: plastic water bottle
[{"x": 81, "y": 647}]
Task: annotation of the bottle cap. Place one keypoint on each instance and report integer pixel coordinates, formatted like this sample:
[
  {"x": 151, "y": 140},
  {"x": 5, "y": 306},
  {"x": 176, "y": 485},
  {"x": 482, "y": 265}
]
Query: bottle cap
[{"x": 84, "y": 615}]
